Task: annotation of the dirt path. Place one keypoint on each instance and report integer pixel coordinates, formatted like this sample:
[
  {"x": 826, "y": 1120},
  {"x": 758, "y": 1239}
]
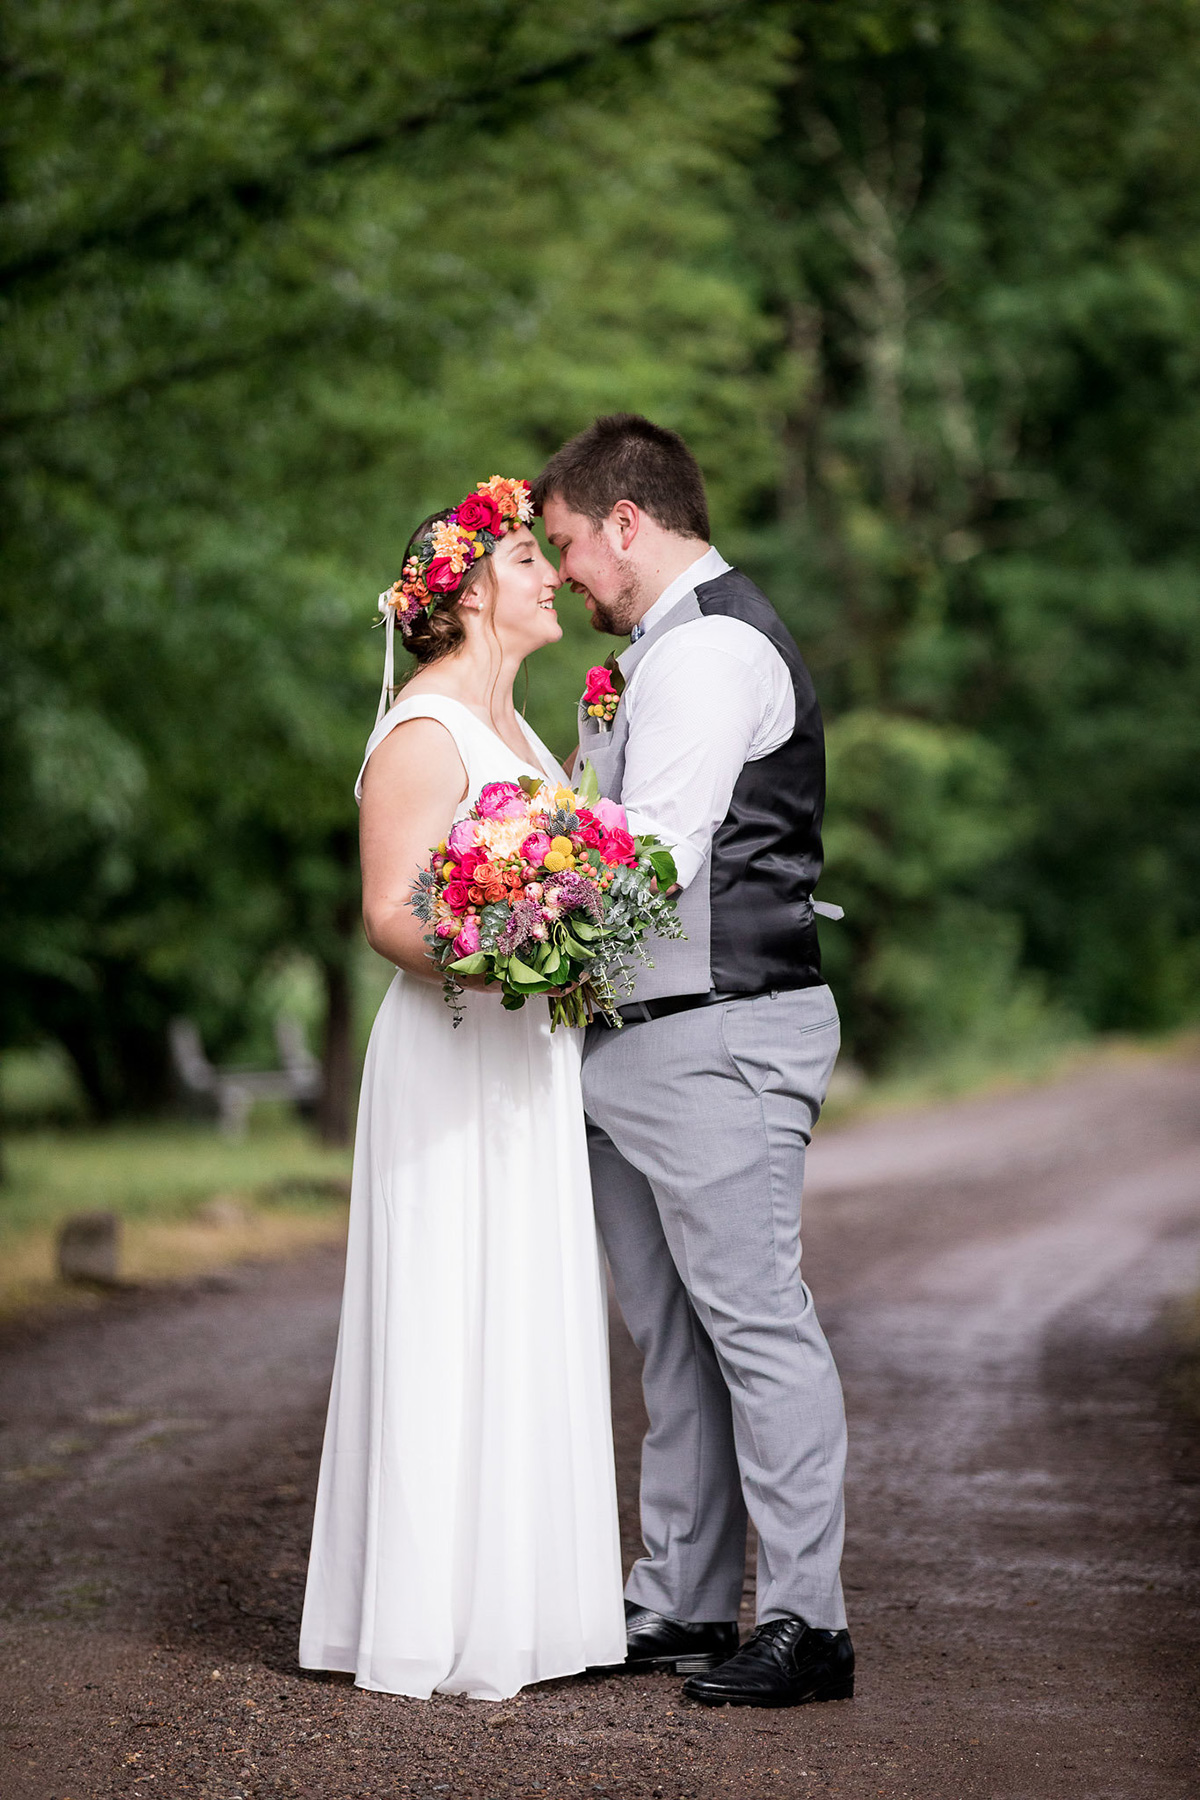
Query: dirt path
[{"x": 1024, "y": 1504}]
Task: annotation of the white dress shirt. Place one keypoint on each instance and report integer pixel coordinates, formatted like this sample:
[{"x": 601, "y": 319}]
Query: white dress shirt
[{"x": 709, "y": 697}]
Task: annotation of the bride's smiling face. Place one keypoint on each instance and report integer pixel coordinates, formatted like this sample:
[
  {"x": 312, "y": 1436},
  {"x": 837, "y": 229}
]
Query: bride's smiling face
[{"x": 524, "y": 585}]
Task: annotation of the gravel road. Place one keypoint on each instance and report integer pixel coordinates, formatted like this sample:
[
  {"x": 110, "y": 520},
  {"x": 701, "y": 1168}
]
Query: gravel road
[{"x": 1024, "y": 1502}]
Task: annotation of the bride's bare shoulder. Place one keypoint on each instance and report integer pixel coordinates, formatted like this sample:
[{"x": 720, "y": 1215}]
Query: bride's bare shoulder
[{"x": 417, "y": 753}]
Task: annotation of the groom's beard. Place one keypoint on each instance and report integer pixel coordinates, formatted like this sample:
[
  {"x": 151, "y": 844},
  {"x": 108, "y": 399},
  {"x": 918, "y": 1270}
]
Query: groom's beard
[{"x": 618, "y": 616}]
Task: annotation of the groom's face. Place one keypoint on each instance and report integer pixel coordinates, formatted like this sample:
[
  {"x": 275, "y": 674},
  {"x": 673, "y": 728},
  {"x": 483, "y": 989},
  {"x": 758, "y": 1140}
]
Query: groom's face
[{"x": 591, "y": 561}]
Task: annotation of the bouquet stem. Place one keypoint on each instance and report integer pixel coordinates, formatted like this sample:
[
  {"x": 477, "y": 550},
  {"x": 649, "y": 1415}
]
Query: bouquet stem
[{"x": 569, "y": 1009}]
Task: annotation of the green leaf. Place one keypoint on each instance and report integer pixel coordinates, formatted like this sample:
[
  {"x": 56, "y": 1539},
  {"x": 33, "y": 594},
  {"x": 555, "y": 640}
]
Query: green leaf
[
  {"x": 469, "y": 965},
  {"x": 588, "y": 786},
  {"x": 663, "y": 864},
  {"x": 529, "y": 785},
  {"x": 584, "y": 931},
  {"x": 520, "y": 973}
]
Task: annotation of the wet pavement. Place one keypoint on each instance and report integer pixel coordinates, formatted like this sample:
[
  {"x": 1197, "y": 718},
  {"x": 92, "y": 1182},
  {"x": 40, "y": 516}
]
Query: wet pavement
[{"x": 1024, "y": 1506}]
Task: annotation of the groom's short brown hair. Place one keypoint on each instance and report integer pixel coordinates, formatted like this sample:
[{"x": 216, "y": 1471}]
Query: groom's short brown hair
[{"x": 627, "y": 457}]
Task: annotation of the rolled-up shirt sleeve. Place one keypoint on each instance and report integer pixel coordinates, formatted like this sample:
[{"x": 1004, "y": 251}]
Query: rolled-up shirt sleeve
[{"x": 693, "y": 720}]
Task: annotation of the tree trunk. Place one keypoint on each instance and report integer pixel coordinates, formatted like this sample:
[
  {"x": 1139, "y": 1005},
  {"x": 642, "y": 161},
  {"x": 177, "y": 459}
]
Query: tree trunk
[{"x": 337, "y": 1055}]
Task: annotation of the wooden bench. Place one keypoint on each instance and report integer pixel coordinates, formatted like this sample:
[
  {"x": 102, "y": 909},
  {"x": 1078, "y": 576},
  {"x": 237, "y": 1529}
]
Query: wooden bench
[{"x": 233, "y": 1091}]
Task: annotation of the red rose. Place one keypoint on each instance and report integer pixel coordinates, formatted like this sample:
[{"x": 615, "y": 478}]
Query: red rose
[
  {"x": 441, "y": 577},
  {"x": 468, "y": 862},
  {"x": 598, "y": 686},
  {"x": 590, "y": 835},
  {"x": 457, "y": 896},
  {"x": 479, "y": 512},
  {"x": 616, "y": 846}
]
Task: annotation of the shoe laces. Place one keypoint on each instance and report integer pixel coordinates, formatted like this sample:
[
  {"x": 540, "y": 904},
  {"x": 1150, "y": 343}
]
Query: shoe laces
[{"x": 774, "y": 1640}]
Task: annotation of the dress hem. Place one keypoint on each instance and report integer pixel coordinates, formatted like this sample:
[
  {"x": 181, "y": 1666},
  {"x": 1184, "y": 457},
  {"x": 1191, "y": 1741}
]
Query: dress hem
[{"x": 340, "y": 1662}]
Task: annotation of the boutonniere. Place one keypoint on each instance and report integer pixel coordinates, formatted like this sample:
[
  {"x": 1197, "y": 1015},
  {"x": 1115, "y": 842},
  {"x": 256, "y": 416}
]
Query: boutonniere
[{"x": 602, "y": 694}]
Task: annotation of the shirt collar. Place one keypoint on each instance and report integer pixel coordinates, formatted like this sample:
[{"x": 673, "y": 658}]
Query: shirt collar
[{"x": 705, "y": 568}]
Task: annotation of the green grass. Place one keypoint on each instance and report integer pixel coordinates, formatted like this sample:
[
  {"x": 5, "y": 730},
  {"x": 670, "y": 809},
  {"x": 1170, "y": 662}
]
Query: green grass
[
  {"x": 189, "y": 1201},
  {"x": 155, "y": 1171}
]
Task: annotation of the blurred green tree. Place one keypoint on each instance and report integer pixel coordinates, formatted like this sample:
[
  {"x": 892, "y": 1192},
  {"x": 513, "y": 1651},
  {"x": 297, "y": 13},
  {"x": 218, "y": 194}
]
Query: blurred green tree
[
  {"x": 275, "y": 285},
  {"x": 917, "y": 280},
  {"x": 975, "y": 229}
]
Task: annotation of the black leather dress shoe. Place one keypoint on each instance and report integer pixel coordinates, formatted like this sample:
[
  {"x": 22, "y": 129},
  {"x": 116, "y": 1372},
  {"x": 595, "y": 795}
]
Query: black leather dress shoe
[
  {"x": 657, "y": 1645},
  {"x": 784, "y": 1663}
]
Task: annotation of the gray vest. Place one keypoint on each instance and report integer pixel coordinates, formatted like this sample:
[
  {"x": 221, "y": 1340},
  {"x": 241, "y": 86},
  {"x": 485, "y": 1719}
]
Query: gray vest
[
  {"x": 748, "y": 914},
  {"x": 681, "y": 965}
]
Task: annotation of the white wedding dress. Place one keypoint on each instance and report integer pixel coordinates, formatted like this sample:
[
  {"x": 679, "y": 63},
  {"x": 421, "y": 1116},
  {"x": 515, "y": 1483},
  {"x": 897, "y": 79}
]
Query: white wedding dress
[{"x": 465, "y": 1538}]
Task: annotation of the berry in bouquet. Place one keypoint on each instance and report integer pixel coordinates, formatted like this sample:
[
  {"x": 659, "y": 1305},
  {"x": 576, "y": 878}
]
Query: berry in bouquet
[{"x": 543, "y": 890}]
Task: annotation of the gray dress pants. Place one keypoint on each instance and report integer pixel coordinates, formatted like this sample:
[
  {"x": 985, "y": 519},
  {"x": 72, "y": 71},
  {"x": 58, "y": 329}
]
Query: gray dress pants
[{"x": 697, "y": 1128}]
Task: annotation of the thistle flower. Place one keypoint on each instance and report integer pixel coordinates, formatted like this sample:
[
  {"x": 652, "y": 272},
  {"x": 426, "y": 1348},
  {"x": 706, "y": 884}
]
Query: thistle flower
[
  {"x": 571, "y": 892},
  {"x": 525, "y": 925}
]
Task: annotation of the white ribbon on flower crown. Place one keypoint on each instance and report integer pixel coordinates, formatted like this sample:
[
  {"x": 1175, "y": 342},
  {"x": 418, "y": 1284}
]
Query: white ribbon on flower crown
[{"x": 389, "y": 653}]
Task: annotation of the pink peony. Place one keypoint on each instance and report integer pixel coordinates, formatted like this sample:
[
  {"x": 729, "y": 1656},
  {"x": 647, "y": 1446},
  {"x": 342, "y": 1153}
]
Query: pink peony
[
  {"x": 611, "y": 815},
  {"x": 598, "y": 686},
  {"x": 467, "y": 941},
  {"x": 616, "y": 846},
  {"x": 500, "y": 800},
  {"x": 462, "y": 838},
  {"x": 536, "y": 847},
  {"x": 447, "y": 928},
  {"x": 457, "y": 896}
]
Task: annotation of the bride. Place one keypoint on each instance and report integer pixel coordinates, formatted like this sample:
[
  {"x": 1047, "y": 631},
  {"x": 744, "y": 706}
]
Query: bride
[{"x": 465, "y": 1538}]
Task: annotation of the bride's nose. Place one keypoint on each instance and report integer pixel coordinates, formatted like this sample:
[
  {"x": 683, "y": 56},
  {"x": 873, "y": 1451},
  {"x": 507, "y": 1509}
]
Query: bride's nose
[{"x": 551, "y": 579}]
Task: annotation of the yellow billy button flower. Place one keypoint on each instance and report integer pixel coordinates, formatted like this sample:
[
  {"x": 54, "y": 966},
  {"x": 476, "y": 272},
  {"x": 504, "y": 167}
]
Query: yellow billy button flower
[
  {"x": 565, "y": 796},
  {"x": 563, "y": 845},
  {"x": 448, "y": 869},
  {"x": 555, "y": 861}
]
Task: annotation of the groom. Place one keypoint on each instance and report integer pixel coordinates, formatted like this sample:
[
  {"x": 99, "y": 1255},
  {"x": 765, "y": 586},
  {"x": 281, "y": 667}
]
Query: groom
[{"x": 700, "y": 1108}]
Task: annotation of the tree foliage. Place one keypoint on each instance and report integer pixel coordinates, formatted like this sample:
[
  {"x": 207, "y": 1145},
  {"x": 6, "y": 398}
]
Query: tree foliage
[{"x": 918, "y": 282}]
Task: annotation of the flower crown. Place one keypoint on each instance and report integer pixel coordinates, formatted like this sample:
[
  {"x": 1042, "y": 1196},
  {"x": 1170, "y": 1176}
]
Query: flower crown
[{"x": 440, "y": 560}]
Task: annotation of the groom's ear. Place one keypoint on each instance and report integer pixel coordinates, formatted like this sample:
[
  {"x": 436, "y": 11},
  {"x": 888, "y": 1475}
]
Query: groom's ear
[{"x": 626, "y": 519}]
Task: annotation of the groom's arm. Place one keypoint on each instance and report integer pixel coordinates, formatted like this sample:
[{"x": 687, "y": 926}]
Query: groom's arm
[{"x": 712, "y": 696}]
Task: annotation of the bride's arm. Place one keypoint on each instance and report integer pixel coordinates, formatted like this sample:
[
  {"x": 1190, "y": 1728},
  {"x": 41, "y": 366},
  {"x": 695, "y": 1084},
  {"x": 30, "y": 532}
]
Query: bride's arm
[{"x": 413, "y": 783}]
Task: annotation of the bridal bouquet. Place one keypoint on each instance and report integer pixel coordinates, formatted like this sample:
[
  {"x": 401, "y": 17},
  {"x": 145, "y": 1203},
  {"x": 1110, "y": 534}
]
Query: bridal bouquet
[{"x": 543, "y": 889}]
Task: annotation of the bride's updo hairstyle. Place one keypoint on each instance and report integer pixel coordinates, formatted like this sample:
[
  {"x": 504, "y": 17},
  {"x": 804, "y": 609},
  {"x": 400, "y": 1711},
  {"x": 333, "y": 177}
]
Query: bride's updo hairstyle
[{"x": 438, "y": 630}]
